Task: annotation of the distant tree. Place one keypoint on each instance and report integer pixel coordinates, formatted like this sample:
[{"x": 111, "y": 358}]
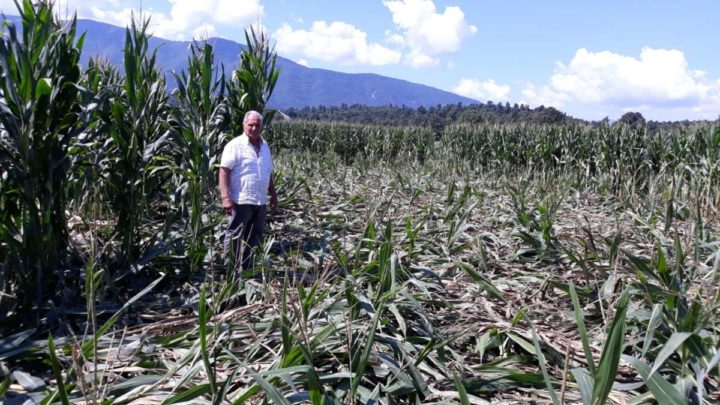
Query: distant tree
[
  {"x": 470, "y": 115},
  {"x": 632, "y": 119},
  {"x": 549, "y": 115}
]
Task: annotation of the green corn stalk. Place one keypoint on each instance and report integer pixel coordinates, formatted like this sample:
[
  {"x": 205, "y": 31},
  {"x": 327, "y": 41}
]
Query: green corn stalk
[
  {"x": 204, "y": 315},
  {"x": 137, "y": 132},
  {"x": 101, "y": 81},
  {"x": 197, "y": 126},
  {"x": 40, "y": 117},
  {"x": 57, "y": 372},
  {"x": 252, "y": 84},
  {"x": 612, "y": 350},
  {"x": 543, "y": 367}
]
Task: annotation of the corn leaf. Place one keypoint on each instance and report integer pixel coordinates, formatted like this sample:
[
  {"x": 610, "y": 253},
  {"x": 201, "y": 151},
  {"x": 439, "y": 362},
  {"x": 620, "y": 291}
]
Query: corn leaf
[
  {"x": 662, "y": 390},
  {"x": 610, "y": 357}
]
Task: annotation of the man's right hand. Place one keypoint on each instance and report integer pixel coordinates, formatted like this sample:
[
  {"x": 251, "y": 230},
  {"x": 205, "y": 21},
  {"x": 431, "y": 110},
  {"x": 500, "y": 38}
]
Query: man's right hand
[
  {"x": 224, "y": 185},
  {"x": 227, "y": 206}
]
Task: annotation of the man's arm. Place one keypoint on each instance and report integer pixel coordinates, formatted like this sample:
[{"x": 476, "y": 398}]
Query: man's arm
[
  {"x": 224, "y": 185},
  {"x": 273, "y": 195}
]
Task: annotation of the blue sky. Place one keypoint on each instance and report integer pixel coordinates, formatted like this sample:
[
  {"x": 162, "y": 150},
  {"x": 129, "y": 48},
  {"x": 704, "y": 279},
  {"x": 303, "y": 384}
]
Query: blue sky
[{"x": 590, "y": 59}]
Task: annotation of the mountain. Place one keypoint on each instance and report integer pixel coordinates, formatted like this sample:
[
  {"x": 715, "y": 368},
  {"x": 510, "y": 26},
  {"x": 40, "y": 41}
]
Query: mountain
[{"x": 298, "y": 86}]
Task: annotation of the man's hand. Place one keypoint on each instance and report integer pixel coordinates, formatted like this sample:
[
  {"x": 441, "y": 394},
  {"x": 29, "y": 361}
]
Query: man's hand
[
  {"x": 224, "y": 185},
  {"x": 273, "y": 195},
  {"x": 227, "y": 206}
]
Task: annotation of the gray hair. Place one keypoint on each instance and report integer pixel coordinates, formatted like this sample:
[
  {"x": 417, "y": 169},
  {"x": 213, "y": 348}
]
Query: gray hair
[{"x": 251, "y": 113}]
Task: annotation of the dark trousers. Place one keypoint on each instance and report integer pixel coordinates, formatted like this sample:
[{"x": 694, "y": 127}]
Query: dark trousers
[{"x": 243, "y": 234}]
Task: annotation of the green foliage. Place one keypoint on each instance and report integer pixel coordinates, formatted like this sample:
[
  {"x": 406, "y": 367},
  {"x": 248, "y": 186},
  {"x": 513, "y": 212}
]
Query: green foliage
[
  {"x": 252, "y": 84},
  {"x": 100, "y": 81},
  {"x": 137, "y": 131},
  {"x": 204, "y": 314},
  {"x": 197, "y": 124},
  {"x": 57, "y": 372},
  {"x": 353, "y": 141},
  {"x": 634, "y": 120},
  {"x": 40, "y": 117},
  {"x": 612, "y": 349},
  {"x": 436, "y": 118}
]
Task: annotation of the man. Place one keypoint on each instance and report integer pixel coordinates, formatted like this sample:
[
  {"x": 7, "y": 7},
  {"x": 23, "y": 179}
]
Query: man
[{"x": 245, "y": 181}]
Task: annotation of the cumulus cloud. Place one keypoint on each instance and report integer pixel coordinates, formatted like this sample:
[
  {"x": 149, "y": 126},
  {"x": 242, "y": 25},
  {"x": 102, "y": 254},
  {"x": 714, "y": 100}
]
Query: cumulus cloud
[
  {"x": 233, "y": 11},
  {"x": 419, "y": 59},
  {"x": 337, "y": 42},
  {"x": 186, "y": 19},
  {"x": 205, "y": 31},
  {"x": 482, "y": 91},
  {"x": 64, "y": 8},
  {"x": 426, "y": 32},
  {"x": 659, "y": 80},
  {"x": 120, "y": 17}
]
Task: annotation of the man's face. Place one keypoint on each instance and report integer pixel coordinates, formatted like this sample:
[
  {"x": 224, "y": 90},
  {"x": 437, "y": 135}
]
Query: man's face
[{"x": 252, "y": 127}]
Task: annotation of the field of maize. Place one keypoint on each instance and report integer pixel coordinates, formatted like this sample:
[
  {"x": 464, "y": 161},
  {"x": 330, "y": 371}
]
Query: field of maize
[{"x": 489, "y": 264}]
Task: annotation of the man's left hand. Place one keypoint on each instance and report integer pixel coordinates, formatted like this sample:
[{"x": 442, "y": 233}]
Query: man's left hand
[{"x": 273, "y": 202}]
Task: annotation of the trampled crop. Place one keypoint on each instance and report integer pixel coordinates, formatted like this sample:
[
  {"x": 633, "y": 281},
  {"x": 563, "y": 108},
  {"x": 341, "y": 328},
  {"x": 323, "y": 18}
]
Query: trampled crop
[{"x": 509, "y": 263}]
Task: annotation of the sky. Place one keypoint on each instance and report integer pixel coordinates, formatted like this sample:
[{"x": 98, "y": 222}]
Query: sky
[{"x": 591, "y": 59}]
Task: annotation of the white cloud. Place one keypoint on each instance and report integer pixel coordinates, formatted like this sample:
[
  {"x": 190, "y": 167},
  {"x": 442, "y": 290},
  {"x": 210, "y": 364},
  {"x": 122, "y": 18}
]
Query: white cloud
[
  {"x": 394, "y": 39},
  {"x": 544, "y": 95},
  {"x": 204, "y": 32},
  {"x": 418, "y": 59},
  {"x": 186, "y": 19},
  {"x": 426, "y": 32},
  {"x": 63, "y": 8},
  {"x": 233, "y": 11},
  {"x": 659, "y": 82},
  {"x": 337, "y": 42},
  {"x": 116, "y": 17},
  {"x": 482, "y": 91}
]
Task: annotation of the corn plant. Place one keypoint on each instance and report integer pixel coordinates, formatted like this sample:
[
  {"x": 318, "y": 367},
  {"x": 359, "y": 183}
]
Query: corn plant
[
  {"x": 679, "y": 331},
  {"x": 197, "y": 141},
  {"x": 351, "y": 141},
  {"x": 40, "y": 117},
  {"x": 101, "y": 81},
  {"x": 252, "y": 84},
  {"x": 595, "y": 382},
  {"x": 137, "y": 132}
]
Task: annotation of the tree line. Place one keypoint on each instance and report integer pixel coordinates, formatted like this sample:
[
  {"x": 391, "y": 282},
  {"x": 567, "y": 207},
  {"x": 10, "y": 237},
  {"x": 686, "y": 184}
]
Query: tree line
[
  {"x": 441, "y": 116},
  {"x": 436, "y": 117}
]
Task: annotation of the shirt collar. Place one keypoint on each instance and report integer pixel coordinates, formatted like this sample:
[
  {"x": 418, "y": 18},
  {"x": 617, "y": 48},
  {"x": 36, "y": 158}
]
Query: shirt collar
[{"x": 246, "y": 141}]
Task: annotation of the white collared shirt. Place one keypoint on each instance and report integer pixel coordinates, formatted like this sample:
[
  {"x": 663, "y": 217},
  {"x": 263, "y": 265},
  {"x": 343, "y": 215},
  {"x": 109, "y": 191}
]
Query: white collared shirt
[{"x": 249, "y": 171}]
